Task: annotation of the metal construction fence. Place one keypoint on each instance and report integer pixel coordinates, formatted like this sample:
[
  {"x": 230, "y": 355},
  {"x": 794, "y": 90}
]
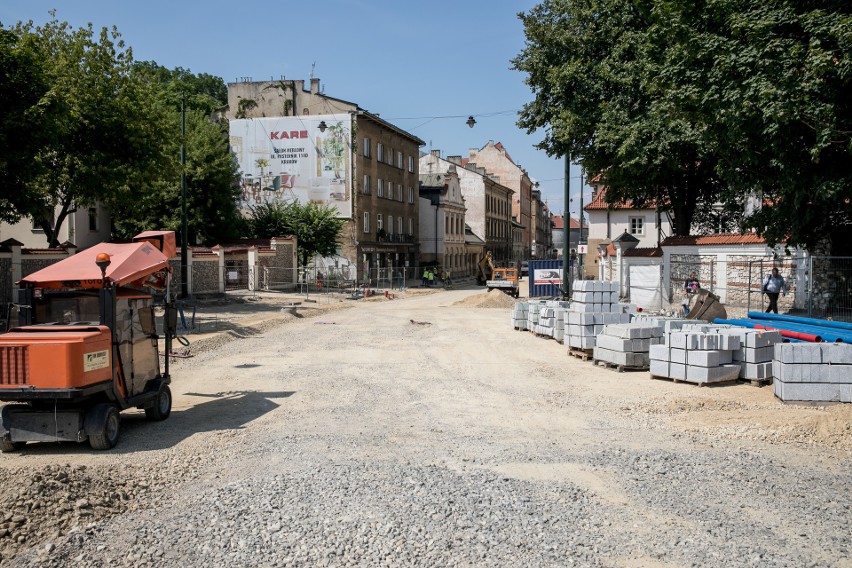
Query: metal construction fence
[{"x": 817, "y": 286}]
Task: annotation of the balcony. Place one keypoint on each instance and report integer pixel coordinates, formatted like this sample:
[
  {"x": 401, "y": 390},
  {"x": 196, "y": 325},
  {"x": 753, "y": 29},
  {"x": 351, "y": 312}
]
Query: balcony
[{"x": 382, "y": 237}]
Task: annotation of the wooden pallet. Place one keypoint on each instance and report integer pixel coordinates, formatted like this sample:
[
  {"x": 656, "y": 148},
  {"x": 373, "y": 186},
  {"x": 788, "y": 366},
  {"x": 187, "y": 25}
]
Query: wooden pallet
[
  {"x": 662, "y": 378},
  {"x": 582, "y": 354},
  {"x": 758, "y": 382},
  {"x": 616, "y": 366}
]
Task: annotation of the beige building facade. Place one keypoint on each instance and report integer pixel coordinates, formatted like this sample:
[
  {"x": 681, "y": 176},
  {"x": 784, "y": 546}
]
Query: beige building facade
[
  {"x": 497, "y": 161},
  {"x": 488, "y": 203},
  {"x": 381, "y": 229}
]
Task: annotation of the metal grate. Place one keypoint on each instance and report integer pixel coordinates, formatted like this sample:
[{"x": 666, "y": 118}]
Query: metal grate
[{"x": 14, "y": 365}]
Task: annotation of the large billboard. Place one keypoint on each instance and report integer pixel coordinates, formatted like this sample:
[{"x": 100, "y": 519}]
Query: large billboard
[{"x": 287, "y": 158}]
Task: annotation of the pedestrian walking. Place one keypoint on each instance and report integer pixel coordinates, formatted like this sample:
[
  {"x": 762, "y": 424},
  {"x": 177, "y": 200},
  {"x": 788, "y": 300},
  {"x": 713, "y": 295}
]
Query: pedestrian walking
[
  {"x": 773, "y": 285},
  {"x": 431, "y": 278},
  {"x": 424, "y": 280},
  {"x": 690, "y": 289}
]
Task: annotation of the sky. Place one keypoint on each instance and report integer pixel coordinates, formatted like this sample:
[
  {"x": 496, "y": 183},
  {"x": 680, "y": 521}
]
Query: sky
[{"x": 424, "y": 66}]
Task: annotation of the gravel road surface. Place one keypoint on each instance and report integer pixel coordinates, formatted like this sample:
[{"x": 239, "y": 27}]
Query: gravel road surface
[{"x": 425, "y": 431}]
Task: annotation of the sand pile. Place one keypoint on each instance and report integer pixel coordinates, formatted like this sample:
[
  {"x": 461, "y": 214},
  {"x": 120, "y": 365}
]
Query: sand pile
[{"x": 489, "y": 299}]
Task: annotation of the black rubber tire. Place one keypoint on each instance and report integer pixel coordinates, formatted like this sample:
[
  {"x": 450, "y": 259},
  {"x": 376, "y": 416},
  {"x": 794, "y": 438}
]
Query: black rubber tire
[
  {"x": 103, "y": 425},
  {"x": 7, "y": 446},
  {"x": 162, "y": 406}
]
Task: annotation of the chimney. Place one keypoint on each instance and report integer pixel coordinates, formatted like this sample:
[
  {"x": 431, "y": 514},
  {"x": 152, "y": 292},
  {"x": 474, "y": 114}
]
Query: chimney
[
  {"x": 315, "y": 86},
  {"x": 435, "y": 153},
  {"x": 455, "y": 159}
]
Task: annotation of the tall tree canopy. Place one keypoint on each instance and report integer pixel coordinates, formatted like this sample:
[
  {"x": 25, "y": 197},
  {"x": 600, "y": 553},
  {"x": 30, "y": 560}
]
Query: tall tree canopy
[
  {"x": 22, "y": 86},
  {"x": 691, "y": 103},
  {"x": 92, "y": 129},
  {"x": 211, "y": 168}
]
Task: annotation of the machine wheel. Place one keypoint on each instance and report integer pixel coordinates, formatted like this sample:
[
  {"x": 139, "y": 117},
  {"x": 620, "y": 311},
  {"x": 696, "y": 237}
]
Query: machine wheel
[
  {"x": 162, "y": 406},
  {"x": 102, "y": 426},
  {"x": 7, "y": 446}
]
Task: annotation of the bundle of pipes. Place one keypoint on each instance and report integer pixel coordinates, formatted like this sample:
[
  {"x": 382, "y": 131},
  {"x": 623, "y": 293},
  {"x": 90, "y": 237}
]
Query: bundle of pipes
[{"x": 795, "y": 328}]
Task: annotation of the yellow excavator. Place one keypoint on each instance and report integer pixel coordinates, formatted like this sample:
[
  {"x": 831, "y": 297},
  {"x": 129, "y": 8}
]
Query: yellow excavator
[{"x": 499, "y": 278}]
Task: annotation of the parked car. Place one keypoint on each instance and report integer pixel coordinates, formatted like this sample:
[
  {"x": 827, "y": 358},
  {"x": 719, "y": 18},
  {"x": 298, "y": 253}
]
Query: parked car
[{"x": 525, "y": 268}]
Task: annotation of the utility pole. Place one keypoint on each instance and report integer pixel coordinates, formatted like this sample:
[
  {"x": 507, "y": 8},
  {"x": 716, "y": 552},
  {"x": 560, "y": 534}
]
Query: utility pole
[
  {"x": 184, "y": 248},
  {"x": 580, "y": 259},
  {"x": 566, "y": 229}
]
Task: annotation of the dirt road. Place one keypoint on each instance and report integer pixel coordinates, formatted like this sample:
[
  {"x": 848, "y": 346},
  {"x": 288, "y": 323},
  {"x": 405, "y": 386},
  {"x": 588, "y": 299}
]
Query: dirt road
[{"x": 426, "y": 431}]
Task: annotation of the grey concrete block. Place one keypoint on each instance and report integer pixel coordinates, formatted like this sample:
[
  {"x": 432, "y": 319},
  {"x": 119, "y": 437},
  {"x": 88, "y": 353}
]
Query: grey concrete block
[
  {"x": 640, "y": 345},
  {"x": 712, "y": 374},
  {"x": 659, "y": 368},
  {"x": 683, "y": 340},
  {"x": 659, "y": 353},
  {"x": 729, "y": 342},
  {"x": 762, "y": 339},
  {"x": 837, "y": 353},
  {"x": 822, "y": 392},
  {"x": 708, "y": 358},
  {"x": 678, "y": 355},
  {"x": 613, "y": 343},
  {"x": 756, "y": 371},
  {"x": 621, "y": 358},
  {"x": 798, "y": 352},
  {"x": 581, "y": 342},
  {"x": 677, "y": 371},
  {"x": 750, "y": 355},
  {"x": 580, "y": 318},
  {"x": 840, "y": 373},
  {"x": 708, "y": 342}
]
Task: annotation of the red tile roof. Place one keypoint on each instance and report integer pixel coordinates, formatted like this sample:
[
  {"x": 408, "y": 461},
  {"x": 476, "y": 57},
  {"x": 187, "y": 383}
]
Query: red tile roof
[
  {"x": 599, "y": 203},
  {"x": 717, "y": 239},
  {"x": 644, "y": 252},
  {"x": 558, "y": 223}
]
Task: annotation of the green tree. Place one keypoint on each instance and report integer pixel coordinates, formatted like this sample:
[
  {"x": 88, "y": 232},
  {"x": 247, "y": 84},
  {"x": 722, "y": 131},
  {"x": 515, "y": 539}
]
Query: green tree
[
  {"x": 212, "y": 172},
  {"x": 316, "y": 227},
  {"x": 697, "y": 103},
  {"x": 101, "y": 141},
  {"x": 770, "y": 84},
  {"x": 592, "y": 67},
  {"x": 22, "y": 86}
]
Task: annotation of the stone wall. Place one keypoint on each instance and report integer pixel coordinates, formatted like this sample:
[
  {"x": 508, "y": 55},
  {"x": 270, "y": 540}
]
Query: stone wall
[
  {"x": 5, "y": 285},
  {"x": 205, "y": 274}
]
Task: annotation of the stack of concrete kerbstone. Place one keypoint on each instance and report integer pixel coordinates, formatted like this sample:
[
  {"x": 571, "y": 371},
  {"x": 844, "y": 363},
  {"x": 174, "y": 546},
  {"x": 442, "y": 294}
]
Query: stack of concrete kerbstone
[
  {"x": 813, "y": 371},
  {"x": 754, "y": 356},
  {"x": 627, "y": 345},
  {"x": 595, "y": 296},
  {"x": 595, "y": 305},
  {"x": 533, "y": 309},
  {"x": 519, "y": 315},
  {"x": 698, "y": 357},
  {"x": 546, "y": 321},
  {"x": 584, "y": 327}
]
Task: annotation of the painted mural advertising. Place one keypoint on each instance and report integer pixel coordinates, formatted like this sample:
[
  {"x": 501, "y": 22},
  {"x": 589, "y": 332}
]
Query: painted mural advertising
[{"x": 287, "y": 158}]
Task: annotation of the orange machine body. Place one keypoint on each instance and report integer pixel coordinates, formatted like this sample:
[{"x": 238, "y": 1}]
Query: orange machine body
[{"x": 59, "y": 358}]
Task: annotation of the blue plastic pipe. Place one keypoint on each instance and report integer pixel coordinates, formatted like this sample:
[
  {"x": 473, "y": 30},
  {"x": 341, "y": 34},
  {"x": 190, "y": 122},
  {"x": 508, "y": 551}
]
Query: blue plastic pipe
[
  {"x": 828, "y": 334},
  {"x": 804, "y": 321},
  {"x": 786, "y": 332}
]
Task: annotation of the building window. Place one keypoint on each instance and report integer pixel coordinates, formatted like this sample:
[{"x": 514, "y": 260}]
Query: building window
[
  {"x": 399, "y": 224},
  {"x": 367, "y": 183},
  {"x": 411, "y": 226},
  {"x": 366, "y": 221},
  {"x": 380, "y": 152},
  {"x": 367, "y": 146},
  {"x": 411, "y": 195},
  {"x": 411, "y": 164},
  {"x": 399, "y": 160},
  {"x": 390, "y": 225},
  {"x": 399, "y": 192},
  {"x": 380, "y": 189},
  {"x": 637, "y": 225},
  {"x": 93, "y": 219},
  {"x": 380, "y": 222},
  {"x": 389, "y": 155}
]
